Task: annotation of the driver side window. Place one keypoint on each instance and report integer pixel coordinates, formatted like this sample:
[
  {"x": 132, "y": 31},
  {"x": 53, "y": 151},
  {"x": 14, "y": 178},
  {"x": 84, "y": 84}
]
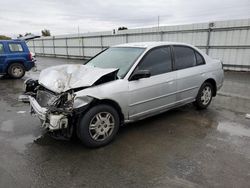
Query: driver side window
[{"x": 157, "y": 61}]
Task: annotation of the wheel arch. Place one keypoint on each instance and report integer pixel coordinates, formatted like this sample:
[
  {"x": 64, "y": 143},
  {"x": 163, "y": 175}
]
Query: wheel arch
[
  {"x": 213, "y": 83},
  {"x": 109, "y": 102},
  {"x": 10, "y": 62}
]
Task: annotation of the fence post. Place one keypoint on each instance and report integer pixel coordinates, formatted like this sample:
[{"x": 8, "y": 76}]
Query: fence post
[
  {"x": 34, "y": 47},
  {"x": 161, "y": 35},
  {"x": 210, "y": 25},
  {"x": 67, "y": 52},
  {"x": 83, "y": 48},
  {"x": 43, "y": 47},
  {"x": 126, "y": 35},
  {"x": 101, "y": 42},
  {"x": 53, "y": 43}
]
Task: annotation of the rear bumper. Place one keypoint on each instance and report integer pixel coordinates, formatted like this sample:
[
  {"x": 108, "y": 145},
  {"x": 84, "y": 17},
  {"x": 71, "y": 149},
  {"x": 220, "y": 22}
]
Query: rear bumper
[
  {"x": 29, "y": 65},
  {"x": 220, "y": 80},
  {"x": 219, "y": 86}
]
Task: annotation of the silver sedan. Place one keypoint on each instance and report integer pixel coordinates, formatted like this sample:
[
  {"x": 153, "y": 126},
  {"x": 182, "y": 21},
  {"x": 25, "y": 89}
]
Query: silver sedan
[{"x": 122, "y": 84}]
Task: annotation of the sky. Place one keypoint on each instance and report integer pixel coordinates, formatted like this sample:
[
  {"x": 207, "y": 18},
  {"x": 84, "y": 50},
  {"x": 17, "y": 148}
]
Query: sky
[{"x": 66, "y": 16}]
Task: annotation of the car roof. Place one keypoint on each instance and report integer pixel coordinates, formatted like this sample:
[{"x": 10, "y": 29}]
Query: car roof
[
  {"x": 149, "y": 44},
  {"x": 12, "y": 40}
]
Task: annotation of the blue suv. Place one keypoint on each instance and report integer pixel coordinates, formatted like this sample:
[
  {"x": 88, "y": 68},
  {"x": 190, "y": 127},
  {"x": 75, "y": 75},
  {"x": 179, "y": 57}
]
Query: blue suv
[{"x": 15, "y": 58}]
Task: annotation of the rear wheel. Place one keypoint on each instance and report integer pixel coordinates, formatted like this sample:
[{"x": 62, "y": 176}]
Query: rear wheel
[
  {"x": 98, "y": 126},
  {"x": 16, "y": 70},
  {"x": 204, "y": 96}
]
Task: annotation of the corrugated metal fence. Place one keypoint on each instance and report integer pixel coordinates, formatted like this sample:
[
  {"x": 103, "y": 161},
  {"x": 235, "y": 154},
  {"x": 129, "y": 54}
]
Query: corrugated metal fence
[{"x": 225, "y": 40}]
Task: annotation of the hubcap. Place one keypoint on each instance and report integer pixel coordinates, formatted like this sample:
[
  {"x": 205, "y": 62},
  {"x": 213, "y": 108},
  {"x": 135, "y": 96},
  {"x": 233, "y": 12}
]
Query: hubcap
[
  {"x": 101, "y": 126},
  {"x": 17, "y": 71},
  {"x": 206, "y": 95}
]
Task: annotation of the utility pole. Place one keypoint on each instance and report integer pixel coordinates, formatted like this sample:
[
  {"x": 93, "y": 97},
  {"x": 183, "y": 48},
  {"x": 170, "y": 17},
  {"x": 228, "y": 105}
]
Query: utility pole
[{"x": 159, "y": 27}]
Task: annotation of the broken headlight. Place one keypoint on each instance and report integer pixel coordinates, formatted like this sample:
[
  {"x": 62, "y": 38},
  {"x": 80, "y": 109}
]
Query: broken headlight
[
  {"x": 30, "y": 85},
  {"x": 81, "y": 101}
]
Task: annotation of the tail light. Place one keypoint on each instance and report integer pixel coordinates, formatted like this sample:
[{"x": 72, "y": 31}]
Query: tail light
[{"x": 30, "y": 56}]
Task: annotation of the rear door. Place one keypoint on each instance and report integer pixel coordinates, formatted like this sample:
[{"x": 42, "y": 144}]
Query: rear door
[
  {"x": 148, "y": 96},
  {"x": 190, "y": 68},
  {"x": 2, "y": 57}
]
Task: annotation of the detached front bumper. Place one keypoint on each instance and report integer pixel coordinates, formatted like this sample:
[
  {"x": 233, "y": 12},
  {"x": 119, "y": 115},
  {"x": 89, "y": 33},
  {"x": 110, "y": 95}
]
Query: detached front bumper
[
  {"x": 49, "y": 120},
  {"x": 37, "y": 109}
]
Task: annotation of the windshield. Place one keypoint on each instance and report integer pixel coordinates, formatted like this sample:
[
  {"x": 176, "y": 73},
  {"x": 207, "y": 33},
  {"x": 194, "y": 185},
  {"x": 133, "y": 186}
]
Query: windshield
[{"x": 117, "y": 57}]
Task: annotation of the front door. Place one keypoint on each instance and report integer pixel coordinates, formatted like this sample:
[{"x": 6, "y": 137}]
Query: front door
[{"x": 148, "y": 96}]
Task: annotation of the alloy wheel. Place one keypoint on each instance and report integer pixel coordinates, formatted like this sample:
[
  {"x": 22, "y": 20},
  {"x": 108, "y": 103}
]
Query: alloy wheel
[
  {"x": 101, "y": 126},
  {"x": 206, "y": 95}
]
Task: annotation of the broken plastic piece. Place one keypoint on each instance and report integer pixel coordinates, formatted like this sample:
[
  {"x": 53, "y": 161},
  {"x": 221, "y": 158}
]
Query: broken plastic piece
[{"x": 23, "y": 98}]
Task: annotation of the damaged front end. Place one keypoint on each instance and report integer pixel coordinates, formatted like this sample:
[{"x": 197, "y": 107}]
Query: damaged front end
[
  {"x": 53, "y": 97},
  {"x": 55, "y": 111}
]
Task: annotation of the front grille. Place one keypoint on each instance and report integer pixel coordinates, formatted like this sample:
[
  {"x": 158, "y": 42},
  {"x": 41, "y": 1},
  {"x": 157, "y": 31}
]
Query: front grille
[{"x": 45, "y": 98}]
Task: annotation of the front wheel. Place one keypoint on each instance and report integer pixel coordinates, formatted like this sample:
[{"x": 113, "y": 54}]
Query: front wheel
[
  {"x": 204, "y": 96},
  {"x": 98, "y": 126},
  {"x": 16, "y": 70}
]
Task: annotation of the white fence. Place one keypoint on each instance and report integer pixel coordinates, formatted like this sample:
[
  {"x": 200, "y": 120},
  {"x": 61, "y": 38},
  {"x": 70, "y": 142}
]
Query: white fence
[{"x": 225, "y": 40}]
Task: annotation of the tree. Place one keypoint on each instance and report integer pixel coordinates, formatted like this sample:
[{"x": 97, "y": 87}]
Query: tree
[
  {"x": 122, "y": 28},
  {"x": 46, "y": 32},
  {"x": 3, "y": 37},
  {"x": 26, "y": 34}
]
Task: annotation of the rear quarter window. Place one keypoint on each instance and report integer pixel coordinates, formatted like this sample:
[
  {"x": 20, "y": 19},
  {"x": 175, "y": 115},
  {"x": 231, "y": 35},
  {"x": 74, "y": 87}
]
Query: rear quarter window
[
  {"x": 14, "y": 47},
  {"x": 199, "y": 59}
]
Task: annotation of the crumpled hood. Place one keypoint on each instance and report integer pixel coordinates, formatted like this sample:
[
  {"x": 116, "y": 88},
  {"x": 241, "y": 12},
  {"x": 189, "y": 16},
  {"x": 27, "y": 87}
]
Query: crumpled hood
[{"x": 65, "y": 77}]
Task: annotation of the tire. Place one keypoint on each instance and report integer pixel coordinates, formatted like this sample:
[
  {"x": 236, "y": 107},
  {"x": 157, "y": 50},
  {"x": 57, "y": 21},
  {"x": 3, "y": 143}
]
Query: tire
[
  {"x": 98, "y": 126},
  {"x": 204, "y": 96},
  {"x": 16, "y": 70}
]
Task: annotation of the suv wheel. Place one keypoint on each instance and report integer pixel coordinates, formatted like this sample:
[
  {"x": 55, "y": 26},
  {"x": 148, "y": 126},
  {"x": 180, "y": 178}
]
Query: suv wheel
[
  {"x": 16, "y": 70},
  {"x": 204, "y": 96},
  {"x": 98, "y": 126}
]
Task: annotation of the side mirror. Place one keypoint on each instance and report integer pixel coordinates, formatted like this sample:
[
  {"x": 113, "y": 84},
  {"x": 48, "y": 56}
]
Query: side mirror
[{"x": 138, "y": 74}]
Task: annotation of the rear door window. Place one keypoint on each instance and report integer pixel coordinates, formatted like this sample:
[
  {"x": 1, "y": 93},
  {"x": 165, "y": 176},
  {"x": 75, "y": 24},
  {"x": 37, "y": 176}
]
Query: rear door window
[
  {"x": 14, "y": 47},
  {"x": 1, "y": 48},
  {"x": 184, "y": 57}
]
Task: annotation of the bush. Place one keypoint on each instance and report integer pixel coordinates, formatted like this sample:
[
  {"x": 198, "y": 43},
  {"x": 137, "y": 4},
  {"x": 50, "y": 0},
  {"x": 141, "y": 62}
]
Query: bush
[{"x": 3, "y": 37}]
